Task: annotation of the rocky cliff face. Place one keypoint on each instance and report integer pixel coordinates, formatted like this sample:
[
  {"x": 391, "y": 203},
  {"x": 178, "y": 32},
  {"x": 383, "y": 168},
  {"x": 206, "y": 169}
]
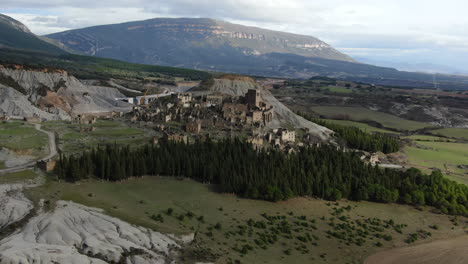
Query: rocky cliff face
[{"x": 52, "y": 94}]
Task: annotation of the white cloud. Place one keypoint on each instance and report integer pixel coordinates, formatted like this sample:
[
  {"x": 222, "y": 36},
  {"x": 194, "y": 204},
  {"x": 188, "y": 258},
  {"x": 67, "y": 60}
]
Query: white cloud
[{"x": 407, "y": 28}]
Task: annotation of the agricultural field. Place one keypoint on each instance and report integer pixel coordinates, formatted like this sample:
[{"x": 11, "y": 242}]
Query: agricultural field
[
  {"x": 237, "y": 230},
  {"x": 364, "y": 114},
  {"x": 74, "y": 138},
  {"x": 459, "y": 133},
  {"x": 337, "y": 89},
  {"x": 451, "y": 158}
]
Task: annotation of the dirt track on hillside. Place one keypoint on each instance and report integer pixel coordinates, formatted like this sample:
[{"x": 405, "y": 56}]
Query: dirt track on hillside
[{"x": 450, "y": 251}]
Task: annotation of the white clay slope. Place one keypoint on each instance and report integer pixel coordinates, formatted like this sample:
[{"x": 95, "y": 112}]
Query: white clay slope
[
  {"x": 14, "y": 206},
  {"x": 77, "y": 234}
]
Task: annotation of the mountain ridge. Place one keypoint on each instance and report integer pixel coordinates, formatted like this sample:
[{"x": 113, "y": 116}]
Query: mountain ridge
[
  {"x": 200, "y": 32},
  {"x": 16, "y": 35}
]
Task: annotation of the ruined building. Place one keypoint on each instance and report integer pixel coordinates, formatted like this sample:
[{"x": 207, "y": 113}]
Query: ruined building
[
  {"x": 193, "y": 127},
  {"x": 184, "y": 97},
  {"x": 46, "y": 165},
  {"x": 252, "y": 98},
  {"x": 84, "y": 120}
]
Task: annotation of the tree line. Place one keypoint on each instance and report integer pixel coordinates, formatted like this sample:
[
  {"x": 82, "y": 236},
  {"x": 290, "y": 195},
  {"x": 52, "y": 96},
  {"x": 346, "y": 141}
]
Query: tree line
[
  {"x": 324, "y": 172},
  {"x": 355, "y": 138}
]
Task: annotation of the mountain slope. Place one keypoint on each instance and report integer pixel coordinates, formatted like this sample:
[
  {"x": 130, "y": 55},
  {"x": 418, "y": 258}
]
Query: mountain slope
[
  {"x": 189, "y": 42},
  {"x": 14, "y": 34}
]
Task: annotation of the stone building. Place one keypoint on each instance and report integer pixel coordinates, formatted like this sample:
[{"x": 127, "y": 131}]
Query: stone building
[
  {"x": 46, "y": 165},
  {"x": 214, "y": 100},
  {"x": 176, "y": 137},
  {"x": 235, "y": 112},
  {"x": 287, "y": 135},
  {"x": 33, "y": 120},
  {"x": 268, "y": 115},
  {"x": 184, "y": 97},
  {"x": 253, "y": 98},
  {"x": 254, "y": 117},
  {"x": 85, "y": 120},
  {"x": 4, "y": 117},
  {"x": 193, "y": 127},
  {"x": 256, "y": 141}
]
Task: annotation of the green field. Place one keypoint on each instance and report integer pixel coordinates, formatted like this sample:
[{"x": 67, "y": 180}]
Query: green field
[
  {"x": 442, "y": 155},
  {"x": 136, "y": 200},
  {"x": 73, "y": 137},
  {"x": 337, "y": 89},
  {"x": 364, "y": 114},
  {"x": 363, "y": 126},
  {"x": 23, "y": 137},
  {"x": 18, "y": 176},
  {"x": 461, "y": 133},
  {"x": 428, "y": 138}
]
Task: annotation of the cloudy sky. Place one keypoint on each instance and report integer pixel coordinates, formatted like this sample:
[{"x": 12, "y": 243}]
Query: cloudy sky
[{"x": 401, "y": 33}]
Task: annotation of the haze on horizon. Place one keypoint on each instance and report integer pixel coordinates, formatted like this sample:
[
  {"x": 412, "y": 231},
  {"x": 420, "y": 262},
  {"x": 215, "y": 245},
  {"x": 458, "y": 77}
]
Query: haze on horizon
[{"x": 410, "y": 35}]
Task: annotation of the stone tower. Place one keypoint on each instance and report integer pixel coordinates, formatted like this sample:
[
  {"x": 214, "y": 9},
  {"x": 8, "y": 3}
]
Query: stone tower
[{"x": 253, "y": 98}]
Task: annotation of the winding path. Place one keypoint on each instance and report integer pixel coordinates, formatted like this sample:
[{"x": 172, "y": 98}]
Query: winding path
[{"x": 52, "y": 153}]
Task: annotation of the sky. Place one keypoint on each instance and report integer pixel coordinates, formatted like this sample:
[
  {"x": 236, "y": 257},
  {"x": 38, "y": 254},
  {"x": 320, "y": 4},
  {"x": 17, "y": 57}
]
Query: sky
[{"x": 399, "y": 33}]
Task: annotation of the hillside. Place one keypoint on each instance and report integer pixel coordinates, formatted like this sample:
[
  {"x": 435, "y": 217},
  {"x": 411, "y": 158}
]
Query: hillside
[{"x": 13, "y": 34}]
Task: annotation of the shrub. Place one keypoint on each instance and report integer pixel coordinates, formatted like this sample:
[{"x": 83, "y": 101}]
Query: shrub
[{"x": 169, "y": 211}]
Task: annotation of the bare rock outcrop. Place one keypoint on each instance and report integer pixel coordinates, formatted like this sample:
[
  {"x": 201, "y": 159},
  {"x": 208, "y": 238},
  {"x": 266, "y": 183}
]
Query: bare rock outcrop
[
  {"x": 13, "y": 103},
  {"x": 54, "y": 94}
]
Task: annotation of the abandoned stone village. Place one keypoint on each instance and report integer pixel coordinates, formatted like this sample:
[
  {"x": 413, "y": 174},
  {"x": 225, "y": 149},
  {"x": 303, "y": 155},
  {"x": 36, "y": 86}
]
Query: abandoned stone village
[{"x": 187, "y": 117}]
